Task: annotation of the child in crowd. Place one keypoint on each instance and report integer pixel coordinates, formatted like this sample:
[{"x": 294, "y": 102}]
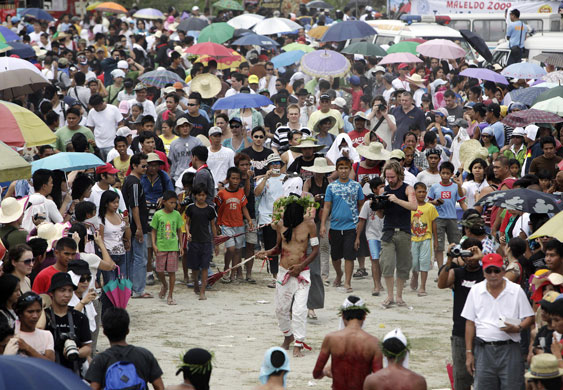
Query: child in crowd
[
  {"x": 200, "y": 221},
  {"x": 546, "y": 180},
  {"x": 444, "y": 195},
  {"x": 184, "y": 200},
  {"x": 514, "y": 166},
  {"x": 166, "y": 236},
  {"x": 424, "y": 229},
  {"x": 373, "y": 225},
  {"x": 231, "y": 204},
  {"x": 167, "y": 135}
]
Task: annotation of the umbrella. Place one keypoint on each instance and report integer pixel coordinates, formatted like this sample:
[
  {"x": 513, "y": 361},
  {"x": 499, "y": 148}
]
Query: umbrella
[
  {"x": 219, "y": 274},
  {"x": 160, "y": 78},
  {"x": 210, "y": 48},
  {"x": 404, "y": 47},
  {"x": 298, "y": 46},
  {"x": 441, "y": 48},
  {"x": 232, "y": 61},
  {"x": 119, "y": 290},
  {"x": 192, "y": 24},
  {"x": 555, "y": 59},
  {"x": 484, "y": 74},
  {"x": 67, "y": 161},
  {"x": 149, "y": 13},
  {"x": 551, "y": 228},
  {"x": 255, "y": 39},
  {"x": 522, "y": 199},
  {"x": 550, "y": 93},
  {"x": 110, "y": 6},
  {"x": 19, "y": 77},
  {"x": 526, "y": 117},
  {"x": 553, "y": 105},
  {"x": 216, "y": 32},
  {"x": 323, "y": 63},
  {"x": 478, "y": 44},
  {"x": 7, "y": 35},
  {"x": 22, "y": 372},
  {"x": 241, "y": 100},
  {"x": 21, "y": 127},
  {"x": 287, "y": 58},
  {"x": 523, "y": 70},
  {"x": 317, "y": 32},
  {"x": 419, "y": 40},
  {"x": 228, "y": 4},
  {"x": 240, "y": 32},
  {"x": 4, "y": 47},
  {"x": 366, "y": 49},
  {"x": 22, "y": 50},
  {"x": 245, "y": 20},
  {"x": 12, "y": 165},
  {"x": 359, "y": 3},
  {"x": 554, "y": 77},
  {"x": 343, "y": 31},
  {"x": 319, "y": 4},
  {"x": 93, "y": 5},
  {"x": 526, "y": 95},
  {"x": 396, "y": 58},
  {"x": 37, "y": 13},
  {"x": 275, "y": 26}
]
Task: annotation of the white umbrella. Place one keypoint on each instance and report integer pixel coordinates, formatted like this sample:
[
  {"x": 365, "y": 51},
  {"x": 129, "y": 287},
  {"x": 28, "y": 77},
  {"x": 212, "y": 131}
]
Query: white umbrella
[
  {"x": 554, "y": 77},
  {"x": 553, "y": 105},
  {"x": 19, "y": 77},
  {"x": 246, "y": 21},
  {"x": 275, "y": 26}
]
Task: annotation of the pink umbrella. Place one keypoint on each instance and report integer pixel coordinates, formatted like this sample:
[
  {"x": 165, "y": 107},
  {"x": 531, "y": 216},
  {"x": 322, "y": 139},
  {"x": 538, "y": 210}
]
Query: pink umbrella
[
  {"x": 443, "y": 49},
  {"x": 396, "y": 58}
]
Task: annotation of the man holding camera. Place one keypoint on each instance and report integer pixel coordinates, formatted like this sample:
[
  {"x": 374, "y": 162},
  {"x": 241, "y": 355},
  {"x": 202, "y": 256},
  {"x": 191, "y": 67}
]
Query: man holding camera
[
  {"x": 383, "y": 123},
  {"x": 396, "y": 239},
  {"x": 69, "y": 327}
]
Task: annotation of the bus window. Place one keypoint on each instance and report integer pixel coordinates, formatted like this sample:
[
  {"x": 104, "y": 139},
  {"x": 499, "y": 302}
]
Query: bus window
[
  {"x": 460, "y": 24},
  {"x": 384, "y": 40},
  {"x": 490, "y": 30},
  {"x": 555, "y": 25},
  {"x": 535, "y": 24}
]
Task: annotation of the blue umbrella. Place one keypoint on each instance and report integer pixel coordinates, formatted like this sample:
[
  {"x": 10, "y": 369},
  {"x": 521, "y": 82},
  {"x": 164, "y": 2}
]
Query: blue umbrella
[
  {"x": 255, "y": 39},
  {"x": 22, "y": 50},
  {"x": 67, "y": 161},
  {"x": 241, "y": 100},
  {"x": 287, "y": 58},
  {"x": 9, "y": 35},
  {"x": 22, "y": 372},
  {"x": 524, "y": 70},
  {"x": 527, "y": 96},
  {"x": 37, "y": 13},
  {"x": 350, "y": 29}
]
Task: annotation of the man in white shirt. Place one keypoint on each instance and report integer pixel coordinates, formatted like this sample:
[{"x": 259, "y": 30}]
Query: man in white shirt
[
  {"x": 237, "y": 82},
  {"x": 141, "y": 98},
  {"x": 105, "y": 178},
  {"x": 401, "y": 82},
  {"x": 220, "y": 158},
  {"x": 35, "y": 36},
  {"x": 103, "y": 120},
  {"x": 496, "y": 311},
  {"x": 269, "y": 81},
  {"x": 43, "y": 185}
]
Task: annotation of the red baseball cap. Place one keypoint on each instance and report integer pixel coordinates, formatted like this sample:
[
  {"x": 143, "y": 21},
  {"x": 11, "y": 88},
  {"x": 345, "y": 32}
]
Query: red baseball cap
[
  {"x": 403, "y": 66},
  {"x": 108, "y": 168},
  {"x": 492, "y": 260}
]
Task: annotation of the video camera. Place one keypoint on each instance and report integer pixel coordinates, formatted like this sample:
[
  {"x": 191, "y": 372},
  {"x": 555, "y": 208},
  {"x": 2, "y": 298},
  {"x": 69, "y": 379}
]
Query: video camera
[
  {"x": 378, "y": 202},
  {"x": 456, "y": 251}
]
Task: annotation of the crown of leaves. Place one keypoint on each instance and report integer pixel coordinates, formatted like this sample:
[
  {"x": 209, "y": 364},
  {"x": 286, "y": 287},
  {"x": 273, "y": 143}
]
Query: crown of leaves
[{"x": 200, "y": 369}]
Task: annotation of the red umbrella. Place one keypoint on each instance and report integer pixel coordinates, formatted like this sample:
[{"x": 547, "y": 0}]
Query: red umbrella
[
  {"x": 527, "y": 117},
  {"x": 217, "y": 276},
  {"x": 119, "y": 290},
  {"x": 210, "y": 48},
  {"x": 419, "y": 40}
]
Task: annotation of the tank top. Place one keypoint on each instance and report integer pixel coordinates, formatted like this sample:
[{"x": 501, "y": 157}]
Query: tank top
[
  {"x": 113, "y": 237},
  {"x": 397, "y": 217},
  {"x": 290, "y": 158}
]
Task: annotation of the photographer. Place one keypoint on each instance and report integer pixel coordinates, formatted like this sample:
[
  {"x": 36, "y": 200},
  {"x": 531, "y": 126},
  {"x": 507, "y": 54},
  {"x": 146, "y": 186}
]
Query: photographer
[
  {"x": 460, "y": 274},
  {"x": 69, "y": 327},
  {"x": 396, "y": 239},
  {"x": 383, "y": 123}
]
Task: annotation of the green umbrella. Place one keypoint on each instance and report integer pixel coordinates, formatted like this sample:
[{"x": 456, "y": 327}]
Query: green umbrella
[
  {"x": 404, "y": 47},
  {"x": 298, "y": 46},
  {"x": 550, "y": 93},
  {"x": 228, "y": 4},
  {"x": 13, "y": 166},
  {"x": 366, "y": 49},
  {"x": 216, "y": 32}
]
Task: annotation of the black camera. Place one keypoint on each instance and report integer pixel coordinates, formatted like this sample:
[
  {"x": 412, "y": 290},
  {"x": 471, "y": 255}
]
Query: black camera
[
  {"x": 382, "y": 107},
  {"x": 379, "y": 202},
  {"x": 456, "y": 251}
]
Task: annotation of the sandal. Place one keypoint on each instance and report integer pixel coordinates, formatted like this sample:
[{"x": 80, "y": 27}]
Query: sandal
[
  {"x": 171, "y": 301},
  {"x": 272, "y": 284},
  {"x": 143, "y": 296},
  {"x": 312, "y": 316},
  {"x": 401, "y": 303},
  {"x": 375, "y": 293},
  {"x": 349, "y": 290},
  {"x": 250, "y": 280},
  {"x": 422, "y": 294},
  {"x": 226, "y": 280},
  {"x": 359, "y": 274},
  {"x": 336, "y": 284},
  {"x": 387, "y": 303}
]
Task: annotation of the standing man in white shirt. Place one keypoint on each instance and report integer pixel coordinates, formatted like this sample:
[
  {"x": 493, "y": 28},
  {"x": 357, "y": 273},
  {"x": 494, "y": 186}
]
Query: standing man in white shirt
[
  {"x": 496, "y": 311},
  {"x": 220, "y": 158},
  {"x": 106, "y": 175},
  {"x": 103, "y": 120},
  {"x": 401, "y": 82},
  {"x": 269, "y": 81}
]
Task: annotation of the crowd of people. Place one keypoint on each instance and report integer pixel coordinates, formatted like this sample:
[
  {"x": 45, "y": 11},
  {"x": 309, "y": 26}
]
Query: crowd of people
[{"x": 400, "y": 164}]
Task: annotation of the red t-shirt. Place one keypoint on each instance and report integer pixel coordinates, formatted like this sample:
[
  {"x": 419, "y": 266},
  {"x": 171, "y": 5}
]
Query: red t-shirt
[
  {"x": 42, "y": 281},
  {"x": 357, "y": 137},
  {"x": 356, "y": 98},
  {"x": 370, "y": 172},
  {"x": 230, "y": 206}
]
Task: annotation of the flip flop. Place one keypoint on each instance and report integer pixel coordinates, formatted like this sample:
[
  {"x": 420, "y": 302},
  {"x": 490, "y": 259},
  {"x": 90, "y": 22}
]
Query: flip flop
[
  {"x": 349, "y": 290},
  {"x": 171, "y": 301},
  {"x": 336, "y": 284},
  {"x": 422, "y": 294},
  {"x": 143, "y": 296},
  {"x": 386, "y": 304},
  {"x": 401, "y": 304},
  {"x": 375, "y": 293},
  {"x": 250, "y": 280}
]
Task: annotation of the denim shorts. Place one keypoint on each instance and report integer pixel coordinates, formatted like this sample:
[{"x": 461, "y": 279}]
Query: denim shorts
[{"x": 374, "y": 249}]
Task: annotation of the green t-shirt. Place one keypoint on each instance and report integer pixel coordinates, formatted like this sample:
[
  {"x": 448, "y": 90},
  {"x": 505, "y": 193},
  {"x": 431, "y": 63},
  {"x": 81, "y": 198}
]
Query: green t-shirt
[
  {"x": 64, "y": 136},
  {"x": 492, "y": 150},
  {"x": 166, "y": 226}
]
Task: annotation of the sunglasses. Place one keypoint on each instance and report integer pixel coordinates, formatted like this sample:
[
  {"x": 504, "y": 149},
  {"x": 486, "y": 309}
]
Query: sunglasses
[
  {"x": 144, "y": 165},
  {"x": 258, "y": 136},
  {"x": 269, "y": 69},
  {"x": 235, "y": 126},
  {"x": 491, "y": 270},
  {"x": 85, "y": 278},
  {"x": 32, "y": 298},
  {"x": 27, "y": 261},
  {"x": 192, "y": 104}
]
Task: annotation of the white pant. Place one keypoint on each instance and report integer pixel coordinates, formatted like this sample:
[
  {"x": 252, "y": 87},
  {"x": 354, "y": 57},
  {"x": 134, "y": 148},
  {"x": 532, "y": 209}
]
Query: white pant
[{"x": 295, "y": 290}]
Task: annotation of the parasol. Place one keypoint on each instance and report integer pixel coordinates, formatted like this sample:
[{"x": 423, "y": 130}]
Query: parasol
[
  {"x": 325, "y": 63},
  {"x": 119, "y": 290},
  {"x": 217, "y": 276}
]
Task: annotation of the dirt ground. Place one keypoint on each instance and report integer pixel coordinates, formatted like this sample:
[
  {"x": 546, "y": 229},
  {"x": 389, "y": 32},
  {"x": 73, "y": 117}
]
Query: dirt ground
[{"x": 237, "y": 322}]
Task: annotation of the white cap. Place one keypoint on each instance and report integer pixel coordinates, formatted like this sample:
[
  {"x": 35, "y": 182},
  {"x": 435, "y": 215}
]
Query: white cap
[
  {"x": 195, "y": 8},
  {"x": 122, "y": 64},
  {"x": 124, "y": 131},
  {"x": 519, "y": 131},
  {"x": 117, "y": 73},
  {"x": 340, "y": 102},
  {"x": 215, "y": 130},
  {"x": 532, "y": 131},
  {"x": 378, "y": 68}
]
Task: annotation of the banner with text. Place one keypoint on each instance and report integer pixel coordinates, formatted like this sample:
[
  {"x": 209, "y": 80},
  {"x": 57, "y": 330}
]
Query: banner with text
[{"x": 445, "y": 7}]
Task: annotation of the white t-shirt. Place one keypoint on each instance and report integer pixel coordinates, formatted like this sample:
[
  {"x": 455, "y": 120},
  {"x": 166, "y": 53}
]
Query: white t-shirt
[
  {"x": 219, "y": 162},
  {"x": 40, "y": 340},
  {"x": 383, "y": 130},
  {"x": 471, "y": 190},
  {"x": 148, "y": 107},
  {"x": 387, "y": 94},
  {"x": 89, "y": 311},
  {"x": 105, "y": 125},
  {"x": 53, "y": 214},
  {"x": 35, "y": 37},
  {"x": 96, "y": 196},
  {"x": 401, "y": 84},
  {"x": 374, "y": 224},
  {"x": 428, "y": 178}
]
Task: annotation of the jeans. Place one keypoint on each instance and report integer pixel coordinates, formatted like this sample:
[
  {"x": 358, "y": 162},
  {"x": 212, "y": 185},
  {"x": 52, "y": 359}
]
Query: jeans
[
  {"x": 120, "y": 261},
  {"x": 137, "y": 265},
  {"x": 104, "y": 152}
]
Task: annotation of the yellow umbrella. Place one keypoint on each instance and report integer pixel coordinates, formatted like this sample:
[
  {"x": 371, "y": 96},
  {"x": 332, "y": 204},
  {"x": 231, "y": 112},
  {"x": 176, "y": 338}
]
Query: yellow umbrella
[
  {"x": 20, "y": 127},
  {"x": 551, "y": 228},
  {"x": 12, "y": 165},
  {"x": 110, "y": 6},
  {"x": 92, "y": 6},
  {"x": 317, "y": 32}
]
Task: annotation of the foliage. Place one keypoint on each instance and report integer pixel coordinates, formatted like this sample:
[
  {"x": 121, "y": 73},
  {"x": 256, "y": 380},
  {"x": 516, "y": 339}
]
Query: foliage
[{"x": 307, "y": 202}]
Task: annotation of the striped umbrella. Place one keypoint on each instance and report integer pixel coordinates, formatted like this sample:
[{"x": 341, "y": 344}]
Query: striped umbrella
[
  {"x": 21, "y": 127},
  {"x": 160, "y": 78}
]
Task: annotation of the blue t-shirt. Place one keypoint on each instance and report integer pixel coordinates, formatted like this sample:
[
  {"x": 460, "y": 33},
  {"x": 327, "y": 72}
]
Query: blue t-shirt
[
  {"x": 450, "y": 197},
  {"x": 498, "y": 131},
  {"x": 516, "y": 33},
  {"x": 344, "y": 198}
]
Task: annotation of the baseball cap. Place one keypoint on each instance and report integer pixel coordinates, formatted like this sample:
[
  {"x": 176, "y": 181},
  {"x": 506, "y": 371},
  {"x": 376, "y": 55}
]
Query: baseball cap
[
  {"x": 195, "y": 8},
  {"x": 532, "y": 131},
  {"x": 518, "y": 132},
  {"x": 473, "y": 221},
  {"x": 441, "y": 111},
  {"x": 402, "y": 66},
  {"x": 488, "y": 131},
  {"x": 460, "y": 122},
  {"x": 107, "y": 168},
  {"x": 378, "y": 68},
  {"x": 492, "y": 260},
  {"x": 388, "y": 77},
  {"x": 235, "y": 119},
  {"x": 469, "y": 105},
  {"x": 324, "y": 96},
  {"x": 63, "y": 61},
  {"x": 122, "y": 64},
  {"x": 215, "y": 130},
  {"x": 183, "y": 121},
  {"x": 117, "y": 73},
  {"x": 355, "y": 80},
  {"x": 398, "y": 154},
  {"x": 252, "y": 79},
  {"x": 178, "y": 85},
  {"x": 340, "y": 102},
  {"x": 140, "y": 87},
  {"x": 124, "y": 131}
]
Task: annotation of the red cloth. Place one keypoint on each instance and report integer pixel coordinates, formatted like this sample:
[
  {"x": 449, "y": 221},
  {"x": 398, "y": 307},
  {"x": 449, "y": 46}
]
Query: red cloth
[{"x": 42, "y": 281}]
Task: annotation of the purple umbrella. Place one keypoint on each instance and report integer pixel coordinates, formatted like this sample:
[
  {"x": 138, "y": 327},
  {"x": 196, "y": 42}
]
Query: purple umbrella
[
  {"x": 321, "y": 63},
  {"x": 396, "y": 58},
  {"x": 484, "y": 74}
]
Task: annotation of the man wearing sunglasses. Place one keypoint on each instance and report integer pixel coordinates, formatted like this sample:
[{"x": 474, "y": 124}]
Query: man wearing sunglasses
[{"x": 496, "y": 311}]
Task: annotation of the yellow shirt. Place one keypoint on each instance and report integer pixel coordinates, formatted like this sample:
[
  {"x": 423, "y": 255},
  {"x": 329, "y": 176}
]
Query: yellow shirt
[
  {"x": 123, "y": 166},
  {"x": 421, "y": 222},
  {"x": 167, "y": 142}
]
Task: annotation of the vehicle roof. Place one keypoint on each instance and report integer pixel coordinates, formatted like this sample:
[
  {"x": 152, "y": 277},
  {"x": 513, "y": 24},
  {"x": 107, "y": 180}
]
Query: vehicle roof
[
  {"x": 542, "y": 41},
  {"x": 397, "y": 27}
]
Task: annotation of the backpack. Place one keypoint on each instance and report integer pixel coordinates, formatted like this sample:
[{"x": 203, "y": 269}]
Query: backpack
[
  {"x": 123, "y": 375},
  {"x": 30, "y": 211}
]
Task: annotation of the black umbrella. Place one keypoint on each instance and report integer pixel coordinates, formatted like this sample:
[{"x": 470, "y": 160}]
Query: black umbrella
[
  {"x": 239, "y": 32},
  {"x": 319, "y": 4},
  {"x": 192, "y": 24},
  {"x": 523, "y": 199},
  {"x": 478, "y": 44}
]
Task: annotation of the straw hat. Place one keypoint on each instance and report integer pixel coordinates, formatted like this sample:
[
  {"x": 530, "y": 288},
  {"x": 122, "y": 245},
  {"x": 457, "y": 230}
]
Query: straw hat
[
  {"x": 544, "y": 366},
  {"x": 153, "y": 157},
  {"x": 204, "y": 140},
  {"x": 11, "y": 209},
  {"x": 307, "y": 143},
  {"x": 207, "y": 84},
  {"x": 469, "y": 151},
  {"x": 51, "y": 232},
  {"x": 318, "y": 123},
  {"x": 359, "y": 115},
  {"x": 416, "y": 80},
  {"x": 272, "y": 158},
  {"x": 320, "y": 166},
  {"x": 375, "y": 151}
]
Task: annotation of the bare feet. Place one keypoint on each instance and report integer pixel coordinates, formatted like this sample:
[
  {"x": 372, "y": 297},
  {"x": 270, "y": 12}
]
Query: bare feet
[
  {"x": 196, "y": 288},
  {"x": 297, "y": 351},
  {"x": 171, "y": 301},
  {"x": 287, "y": 341},
  {"x": 162, "y": 292},
  {"x": 202, "y": 297},
  {"x": 414, "y": 282}
]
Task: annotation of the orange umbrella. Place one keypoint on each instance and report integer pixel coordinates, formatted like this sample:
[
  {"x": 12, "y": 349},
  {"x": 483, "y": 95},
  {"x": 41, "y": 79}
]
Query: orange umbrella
[
  {"x": 317, "y": 32},
  {"x": 233, "y": 61},
  {"x": 110, "y": 6}
]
